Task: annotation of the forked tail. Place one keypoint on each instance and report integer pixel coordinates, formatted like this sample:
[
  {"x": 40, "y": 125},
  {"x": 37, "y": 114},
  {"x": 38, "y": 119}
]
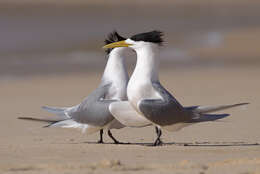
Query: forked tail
[
  {"x": 37, "y": 119},
  {"x": 68, "y": 123},
  {"x": 201, "y": 112},
  {"x": 50, "y": 121},
  {"x": 210, "y": 109},
  {"x": 208, "y": 117},
  {"x": 61, "y": 112}
]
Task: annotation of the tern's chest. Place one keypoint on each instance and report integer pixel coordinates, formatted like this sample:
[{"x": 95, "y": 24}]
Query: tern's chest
[{"x": 137, "y": 91}]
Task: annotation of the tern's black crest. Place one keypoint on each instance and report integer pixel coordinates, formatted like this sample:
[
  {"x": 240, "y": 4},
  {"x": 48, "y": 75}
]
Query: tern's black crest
[
  {"x": 153, "y": 36},
  {"x": 113, "y": 37}
]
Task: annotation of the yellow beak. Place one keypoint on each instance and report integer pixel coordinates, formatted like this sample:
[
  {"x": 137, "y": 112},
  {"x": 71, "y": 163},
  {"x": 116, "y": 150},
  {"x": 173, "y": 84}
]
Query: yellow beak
[{"x": 117, "y": 44}]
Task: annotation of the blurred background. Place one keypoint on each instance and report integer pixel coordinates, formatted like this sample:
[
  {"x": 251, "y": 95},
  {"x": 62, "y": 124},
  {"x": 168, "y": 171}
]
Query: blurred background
[{"x": 65, "y": 36}]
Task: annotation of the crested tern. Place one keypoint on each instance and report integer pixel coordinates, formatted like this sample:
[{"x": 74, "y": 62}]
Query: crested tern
[
  {"x": 149, "y": 98},
  {"x": 93, "y": 115}
]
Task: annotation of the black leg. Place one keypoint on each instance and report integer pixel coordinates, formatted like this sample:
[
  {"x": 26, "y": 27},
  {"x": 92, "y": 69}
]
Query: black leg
[
  {"x": 158, "y": 140},
  {"x": 113, "y": 138},
  {"x": 156, "y": 130},
  {"x": 101, "y": 137}
]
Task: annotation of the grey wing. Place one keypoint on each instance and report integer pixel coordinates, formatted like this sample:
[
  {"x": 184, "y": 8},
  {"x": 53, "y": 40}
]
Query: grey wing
[
  {"x": 94, "y": 109},
  {"x": 165, "y": 111}
]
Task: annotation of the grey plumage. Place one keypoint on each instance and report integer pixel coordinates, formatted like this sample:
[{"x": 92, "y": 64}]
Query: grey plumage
[
  {"x": 165, "y": 111},
  {"x": 168, "y": 111},
  {"x": 94, "y": 109}
]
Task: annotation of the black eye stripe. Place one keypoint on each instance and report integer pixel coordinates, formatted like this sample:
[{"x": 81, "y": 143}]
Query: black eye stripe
[{"x": 153, "y": 36}]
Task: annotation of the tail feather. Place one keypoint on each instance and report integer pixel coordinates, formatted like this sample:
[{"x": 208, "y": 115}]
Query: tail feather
[
  {"x": 208, "y": 117},
  {"x": 209, "y": 109},
  {"x": 38, "y": 119},
  {"x": 57, "y": 111},
  {"x": 69, "y": 123}
]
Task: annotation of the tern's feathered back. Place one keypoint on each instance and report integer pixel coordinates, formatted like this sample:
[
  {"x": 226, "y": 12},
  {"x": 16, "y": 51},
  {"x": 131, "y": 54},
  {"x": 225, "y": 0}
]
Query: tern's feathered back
[
  {"x": 113, "y": 37},
  {"x": 152, "y": 36}
]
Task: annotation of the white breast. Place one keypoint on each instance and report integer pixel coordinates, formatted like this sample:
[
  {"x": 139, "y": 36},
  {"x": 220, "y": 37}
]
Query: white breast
[
  {"x": 146, "y": 71},
  {"x": 137, "y": 91}
]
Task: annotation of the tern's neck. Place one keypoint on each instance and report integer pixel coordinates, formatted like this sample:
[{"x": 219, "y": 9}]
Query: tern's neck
[
  {"x": 115, "y": 70},
  {"x": 147, "y": 63}
]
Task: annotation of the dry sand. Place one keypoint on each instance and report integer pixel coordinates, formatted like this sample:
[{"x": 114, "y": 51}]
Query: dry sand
[{"x": 228, "y": 146}]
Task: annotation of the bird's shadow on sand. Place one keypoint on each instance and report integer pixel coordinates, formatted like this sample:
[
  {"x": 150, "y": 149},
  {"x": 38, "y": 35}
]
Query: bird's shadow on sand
[{"x": 193, "y": 144}]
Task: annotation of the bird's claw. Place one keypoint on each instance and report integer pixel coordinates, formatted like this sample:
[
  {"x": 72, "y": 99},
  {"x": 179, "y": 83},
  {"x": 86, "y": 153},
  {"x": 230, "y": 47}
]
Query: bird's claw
[
  {"x": 157, "y": 142},
  {"x": 100, "y": 142}
]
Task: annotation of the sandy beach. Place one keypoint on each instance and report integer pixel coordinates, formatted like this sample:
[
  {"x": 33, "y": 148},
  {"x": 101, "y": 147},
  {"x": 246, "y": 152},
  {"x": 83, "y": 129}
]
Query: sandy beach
[{"x": 227, "y": 146}]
